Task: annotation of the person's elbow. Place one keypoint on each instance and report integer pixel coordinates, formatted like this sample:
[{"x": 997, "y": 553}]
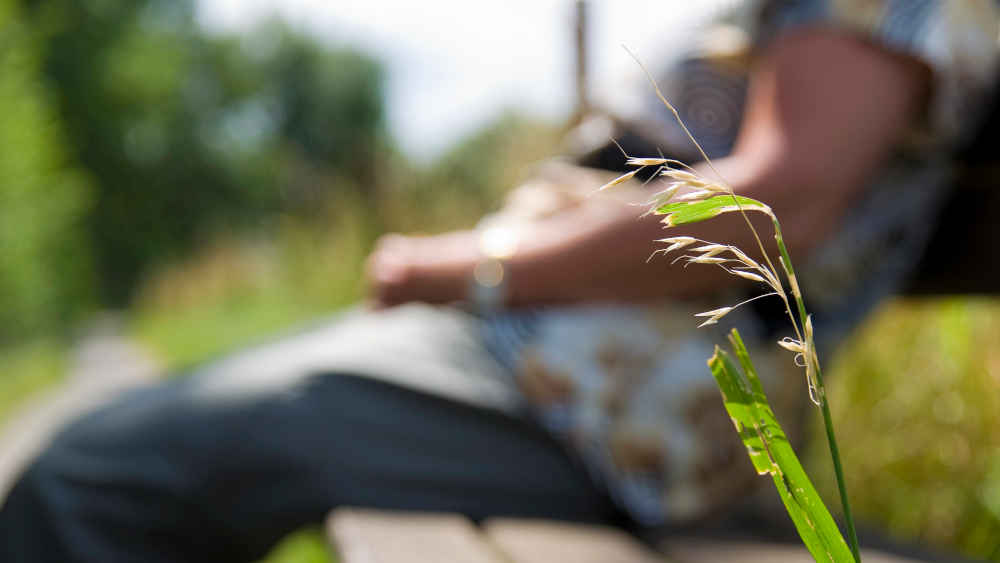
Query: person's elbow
[{"x": 810, "y": 191}]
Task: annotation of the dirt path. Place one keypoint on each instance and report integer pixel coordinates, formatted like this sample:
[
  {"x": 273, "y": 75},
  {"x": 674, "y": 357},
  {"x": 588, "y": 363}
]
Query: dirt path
[{"x": 103, "y": 364}]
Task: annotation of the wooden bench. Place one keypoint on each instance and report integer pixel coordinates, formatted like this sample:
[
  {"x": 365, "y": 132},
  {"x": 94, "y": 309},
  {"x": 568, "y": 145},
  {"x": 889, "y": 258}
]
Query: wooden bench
[{"x": 372, "y": 536}]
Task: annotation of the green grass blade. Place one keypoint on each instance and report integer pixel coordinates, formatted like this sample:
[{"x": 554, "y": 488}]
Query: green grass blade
[
  {"x": 684, "y": 212},
  {"x": 771, "y": 453}
]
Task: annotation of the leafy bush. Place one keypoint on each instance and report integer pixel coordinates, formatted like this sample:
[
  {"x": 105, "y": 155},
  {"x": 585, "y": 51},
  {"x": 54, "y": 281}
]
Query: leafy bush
[
  {"x": 44, "y": 271},
  {"x": 187, "y": 134}
]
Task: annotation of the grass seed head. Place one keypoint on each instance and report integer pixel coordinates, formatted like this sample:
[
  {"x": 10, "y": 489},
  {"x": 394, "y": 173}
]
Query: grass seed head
[
  {"x": 623, "y": 178},
  {"x": 791, "y": 345},
  {"x": 748, "y": 275},
  {"x": 694, "y": 195},
  {"x": 676, "y": 243},
  {"x": 710, "y": 249},
  {"x": 683, "y": 176},
  {"x": 661, "y": 198},
  {"x": 666, "y": 195},
  {"x": 714, "y": 315},
  {"x": 641, "y": 161},
  {"x": 703, "y": 259}
]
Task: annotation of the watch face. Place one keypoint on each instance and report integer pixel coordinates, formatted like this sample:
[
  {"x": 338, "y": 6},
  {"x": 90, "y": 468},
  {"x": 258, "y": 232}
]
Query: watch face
[{"x": 488, "y": 288}]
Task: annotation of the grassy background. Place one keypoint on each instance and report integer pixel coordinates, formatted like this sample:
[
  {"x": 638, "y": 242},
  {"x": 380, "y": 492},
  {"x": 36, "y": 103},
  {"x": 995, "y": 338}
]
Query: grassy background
[
  {"x": 916, "y": 408},
  {"x": 28, "y": 368},
  {"x": 914, "y": 391}
]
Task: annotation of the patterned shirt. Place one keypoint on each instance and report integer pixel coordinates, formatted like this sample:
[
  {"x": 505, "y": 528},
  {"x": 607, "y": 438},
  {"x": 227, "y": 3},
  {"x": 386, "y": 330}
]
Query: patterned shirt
[{"x": 627, "y": 386}]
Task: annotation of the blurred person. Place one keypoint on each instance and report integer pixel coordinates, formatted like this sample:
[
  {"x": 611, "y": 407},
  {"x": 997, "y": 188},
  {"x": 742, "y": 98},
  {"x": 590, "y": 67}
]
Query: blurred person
[{"x": 570, "y": 384}]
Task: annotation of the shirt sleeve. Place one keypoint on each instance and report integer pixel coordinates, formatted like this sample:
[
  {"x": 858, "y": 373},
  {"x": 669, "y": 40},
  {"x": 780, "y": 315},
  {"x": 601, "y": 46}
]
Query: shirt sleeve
[{"x": 956, "y": 39}]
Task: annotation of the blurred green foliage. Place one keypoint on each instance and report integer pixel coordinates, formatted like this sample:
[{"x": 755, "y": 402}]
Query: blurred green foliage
[
  {"x": 132, "y": 137},
  {"x": 306, "y": 546},
  {"x": 467, "y": 181},
  {"x": 234, "y": 292},
  {"x": 28, "y": 368},
  {"x": 186, "y": 134},
  {"x": 237, "y": 290},
  {"x": 915, "y": 401},
  {"x": 44, "y": 199}
]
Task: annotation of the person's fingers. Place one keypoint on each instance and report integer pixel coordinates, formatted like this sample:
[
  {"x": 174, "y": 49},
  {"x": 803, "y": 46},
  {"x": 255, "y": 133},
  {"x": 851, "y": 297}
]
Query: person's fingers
[
  {"x": 432, "y": 269},
  {"x": 386, "y": 270}
]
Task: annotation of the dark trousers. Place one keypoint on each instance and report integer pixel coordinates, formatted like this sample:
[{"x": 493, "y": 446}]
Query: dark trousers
[{"x": 178, "y": 473}]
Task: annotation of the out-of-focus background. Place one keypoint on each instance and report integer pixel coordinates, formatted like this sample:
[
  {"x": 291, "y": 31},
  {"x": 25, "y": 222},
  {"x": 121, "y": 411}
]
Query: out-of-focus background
[{"x": 181, "y": 178}]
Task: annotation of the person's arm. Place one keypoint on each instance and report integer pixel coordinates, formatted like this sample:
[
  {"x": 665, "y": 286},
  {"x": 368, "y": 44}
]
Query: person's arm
[{"x": 823, "y": 111}]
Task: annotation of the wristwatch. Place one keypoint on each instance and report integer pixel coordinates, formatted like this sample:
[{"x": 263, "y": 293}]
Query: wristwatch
[{"x": 488, "y": 288}]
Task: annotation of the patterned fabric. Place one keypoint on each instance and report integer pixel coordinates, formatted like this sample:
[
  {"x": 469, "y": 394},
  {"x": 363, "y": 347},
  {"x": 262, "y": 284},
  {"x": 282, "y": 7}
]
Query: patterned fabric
[{"x": 627, "y": 387}]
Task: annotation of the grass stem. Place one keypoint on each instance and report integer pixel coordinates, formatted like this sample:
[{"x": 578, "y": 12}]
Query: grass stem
[
  {"x": 831, "y": 438},
  {"x": 803, "y": 328}
]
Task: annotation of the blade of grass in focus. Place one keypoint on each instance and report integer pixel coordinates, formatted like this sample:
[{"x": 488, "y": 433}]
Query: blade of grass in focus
[
  {"x": 771, "y": 453},
  {"x": 684, "y": 212}
]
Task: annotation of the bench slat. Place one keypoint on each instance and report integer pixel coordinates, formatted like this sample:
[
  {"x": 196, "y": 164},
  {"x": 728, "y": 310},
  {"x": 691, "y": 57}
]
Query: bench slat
[
  {"x": 378, "y": 536},
  {"x": 370, "y": 536},
  {"x": 539, "y": 541},
  {"x": 711, "y": 551}
]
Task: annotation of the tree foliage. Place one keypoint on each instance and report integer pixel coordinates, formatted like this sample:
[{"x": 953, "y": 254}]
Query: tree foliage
[
  {"x": 44, "y": 265},
  {"x": 185, "y": 133}
]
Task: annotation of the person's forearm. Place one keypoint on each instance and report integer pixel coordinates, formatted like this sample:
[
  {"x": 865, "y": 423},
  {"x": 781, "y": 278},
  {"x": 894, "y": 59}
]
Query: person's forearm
[
  {"x": 823, "y": 111},
  {"x": 601, "y": 251}
]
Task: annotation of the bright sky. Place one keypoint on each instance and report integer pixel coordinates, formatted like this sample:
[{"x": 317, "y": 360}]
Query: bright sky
[{"x": 454, "y": 65}]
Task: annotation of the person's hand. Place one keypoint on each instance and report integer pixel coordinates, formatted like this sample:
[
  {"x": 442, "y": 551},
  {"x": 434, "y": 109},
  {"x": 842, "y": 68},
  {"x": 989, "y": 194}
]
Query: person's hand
[{"x": 431, "y": 269}]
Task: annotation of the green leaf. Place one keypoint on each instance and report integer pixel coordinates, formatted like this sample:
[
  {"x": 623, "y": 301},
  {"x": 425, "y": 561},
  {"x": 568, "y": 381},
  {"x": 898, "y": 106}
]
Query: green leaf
[
  {"x": 771, "y": 453},
  {"x": 683, "y": 212}
]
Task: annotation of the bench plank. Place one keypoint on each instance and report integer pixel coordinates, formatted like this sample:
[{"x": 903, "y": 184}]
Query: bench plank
[
  {"x": 711, "y": 551},
  {"x": 540, "y": 541},
  {"x": 377, "y": 536},
  {"x": 371, "y": 536}
]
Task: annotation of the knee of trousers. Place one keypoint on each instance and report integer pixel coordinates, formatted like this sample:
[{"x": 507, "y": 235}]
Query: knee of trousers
[
  {"x": 33, "y": 516},
  {"x": 80, "y": 458},
  {"x": 44, "y": 480}
]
